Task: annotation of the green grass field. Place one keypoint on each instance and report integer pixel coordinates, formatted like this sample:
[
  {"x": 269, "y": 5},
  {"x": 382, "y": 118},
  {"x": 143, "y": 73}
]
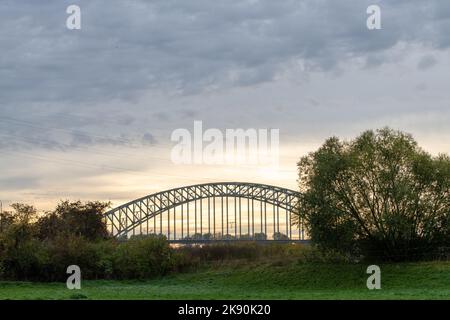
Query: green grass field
[{"x": 276, "y": 280}]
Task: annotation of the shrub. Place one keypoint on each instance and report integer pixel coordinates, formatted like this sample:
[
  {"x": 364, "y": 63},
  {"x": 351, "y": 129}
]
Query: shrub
[
  {"x": 250, "y": 251},
  {"x": 33, "y": 259},
  {"x": 20, "y": 253},
  {"x": 140, "y": 258},
  {"x": 314, "y": 254},
  {"x": 93, "y": 258}
]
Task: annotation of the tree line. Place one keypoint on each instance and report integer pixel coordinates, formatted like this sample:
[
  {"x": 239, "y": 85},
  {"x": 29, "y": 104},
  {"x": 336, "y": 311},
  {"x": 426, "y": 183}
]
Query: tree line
[{"x": 40, "y": 248}]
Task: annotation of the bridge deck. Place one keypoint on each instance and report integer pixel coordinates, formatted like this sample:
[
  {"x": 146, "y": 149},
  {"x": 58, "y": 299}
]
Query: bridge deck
[{"x": 236, "y": 241}]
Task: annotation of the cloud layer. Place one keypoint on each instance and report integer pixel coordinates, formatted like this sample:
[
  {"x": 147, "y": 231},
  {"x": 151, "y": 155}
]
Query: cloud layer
[
  {"x": 194, "y": 46},
  {"x": 87, "y": 107}
]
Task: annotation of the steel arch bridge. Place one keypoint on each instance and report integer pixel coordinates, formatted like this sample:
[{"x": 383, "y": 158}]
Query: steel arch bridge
[{"x": 212, "y": 212}]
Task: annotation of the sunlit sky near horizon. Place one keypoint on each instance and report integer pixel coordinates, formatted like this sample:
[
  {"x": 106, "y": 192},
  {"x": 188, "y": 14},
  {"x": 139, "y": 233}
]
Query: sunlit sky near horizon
[{"x": 88, "y": 114}]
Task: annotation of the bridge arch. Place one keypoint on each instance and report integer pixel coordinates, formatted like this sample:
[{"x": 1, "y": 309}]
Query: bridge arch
[{"x": 169, "y": 212}]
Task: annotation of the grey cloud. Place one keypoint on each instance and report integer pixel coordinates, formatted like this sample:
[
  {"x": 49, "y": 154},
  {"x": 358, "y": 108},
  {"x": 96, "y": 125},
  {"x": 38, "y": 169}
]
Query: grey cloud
[
  {"x": 162, "y": 116},
  {"x": 426, "y": 62},
  {"x": 139, "y": 69},
  {"x": 125, "y": 120},
  {"x": 148, "y": 139},
  {"x": 375, "y": 60},
  {"x": 64, "y": 135},
  {"x": 188, "y": 113},
  {"x": 192, "y": 46},
  {"x": 421, "y": 87},
  {"x": 18, "y": 183},
  {"x": 81, "y": 139}
]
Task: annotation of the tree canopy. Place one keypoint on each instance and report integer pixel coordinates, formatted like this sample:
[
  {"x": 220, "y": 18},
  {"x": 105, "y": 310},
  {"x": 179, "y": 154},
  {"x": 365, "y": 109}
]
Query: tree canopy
[{"x": 380, "y": 195}]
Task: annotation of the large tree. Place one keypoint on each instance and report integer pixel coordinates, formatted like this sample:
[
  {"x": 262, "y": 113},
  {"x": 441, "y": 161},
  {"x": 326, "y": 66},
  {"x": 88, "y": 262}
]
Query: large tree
[{"x": 380, "y": 195}]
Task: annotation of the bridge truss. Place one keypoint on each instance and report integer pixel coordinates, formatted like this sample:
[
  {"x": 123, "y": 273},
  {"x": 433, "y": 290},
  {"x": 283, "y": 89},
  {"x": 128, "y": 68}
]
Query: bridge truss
[{"x": 212, "y": 212}]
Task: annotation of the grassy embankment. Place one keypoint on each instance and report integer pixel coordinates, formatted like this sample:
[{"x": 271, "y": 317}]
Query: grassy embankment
[{"x": 259, "y": 280}]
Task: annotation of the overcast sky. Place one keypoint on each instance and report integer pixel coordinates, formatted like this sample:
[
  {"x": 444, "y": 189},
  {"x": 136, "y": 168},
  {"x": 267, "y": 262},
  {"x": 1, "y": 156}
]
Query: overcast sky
[{"x": 87, "y": 114}]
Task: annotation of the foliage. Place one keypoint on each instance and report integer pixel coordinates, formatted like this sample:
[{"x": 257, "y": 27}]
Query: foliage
[
  {"x": 260, "y": 236},
  {"x": 142, "y": 257},
  {"x": 23, "y": 213},
  {"x": 19, "y": 220},
  {"x": 41, "y": 248},
  {"x": 379, "y": 195},
  {"x": 74, "y": 218},
  {"x": 22, "y": 260},
  {"x": 20, "y": 252},
  {"x": 247, "y": 251},
  {"x": 6, "y": 220},
  {"x": 280, "y": 236},
  {"x": 33, "y": 248},
  {"x": 93, "y": 258}
]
